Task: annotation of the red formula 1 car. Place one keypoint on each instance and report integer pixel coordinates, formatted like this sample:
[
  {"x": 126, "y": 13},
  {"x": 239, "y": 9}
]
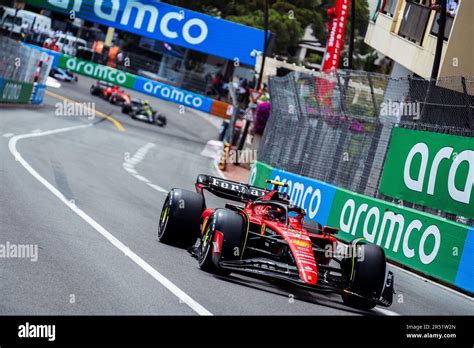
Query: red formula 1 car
[
  {"x": 267, "y": 236},
  {"x": 110, "y": 92}
]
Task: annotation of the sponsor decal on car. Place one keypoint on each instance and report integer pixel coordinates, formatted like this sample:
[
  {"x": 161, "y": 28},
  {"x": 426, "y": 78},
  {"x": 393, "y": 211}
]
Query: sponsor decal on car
[{"x": 302, "y": 243}]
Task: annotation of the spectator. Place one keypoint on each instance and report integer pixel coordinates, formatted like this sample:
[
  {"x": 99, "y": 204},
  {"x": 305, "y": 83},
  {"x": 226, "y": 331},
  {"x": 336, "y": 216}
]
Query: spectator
[
  {"x": 452, "y": 7},
  {"x": 217, "y": 85},
  {"x": 261, "y": 117}
]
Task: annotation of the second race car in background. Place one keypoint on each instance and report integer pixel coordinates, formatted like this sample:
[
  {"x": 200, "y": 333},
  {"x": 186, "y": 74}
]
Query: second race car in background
[
  {"x": 110, "y": 92},
  {"x": 270, "y": 237},
  {"x": 63, "y": 75},
  {"x": 141, "y": 110}
]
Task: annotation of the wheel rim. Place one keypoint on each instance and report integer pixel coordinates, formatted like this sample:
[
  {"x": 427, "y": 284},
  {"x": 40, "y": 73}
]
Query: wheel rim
[
  {"x": 205, "y": 244},
  {"x": 164, "y": 217}
]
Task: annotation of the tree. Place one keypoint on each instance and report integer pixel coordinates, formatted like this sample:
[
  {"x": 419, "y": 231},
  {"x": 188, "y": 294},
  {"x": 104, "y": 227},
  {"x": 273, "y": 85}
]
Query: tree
[{"x": 288, "y": 20}]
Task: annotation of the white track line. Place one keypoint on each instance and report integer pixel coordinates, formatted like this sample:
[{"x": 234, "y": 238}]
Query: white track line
[
  {"x": 185, "y": 298},
  {"x": 216, "y": 167},
  {"x": 129, "y": 166},
  {"x": 385, "y": 311}
]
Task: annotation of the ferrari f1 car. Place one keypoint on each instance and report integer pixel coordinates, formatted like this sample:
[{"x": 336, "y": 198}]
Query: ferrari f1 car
[
  {"x": 110, "y": 92},
  {"x": 267, "y": 236}
]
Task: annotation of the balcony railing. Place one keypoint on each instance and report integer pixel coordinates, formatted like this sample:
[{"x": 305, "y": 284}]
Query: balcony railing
[
  {"x": 414, "y": 22},
  {"x": 390, "y": 7},
  {"x": 447, "y": 29}
]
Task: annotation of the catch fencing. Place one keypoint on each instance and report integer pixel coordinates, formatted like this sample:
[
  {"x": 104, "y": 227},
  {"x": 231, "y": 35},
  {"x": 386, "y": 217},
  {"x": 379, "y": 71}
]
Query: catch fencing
[
  {"x": 20, "y": 63},
  {"x": 336, "y": 128},
  {"x": 23, "y": 72}
]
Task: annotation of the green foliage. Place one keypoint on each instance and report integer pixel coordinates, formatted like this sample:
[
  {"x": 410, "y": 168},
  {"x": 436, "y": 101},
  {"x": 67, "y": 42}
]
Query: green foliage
[{"x": 287, "y": 21}]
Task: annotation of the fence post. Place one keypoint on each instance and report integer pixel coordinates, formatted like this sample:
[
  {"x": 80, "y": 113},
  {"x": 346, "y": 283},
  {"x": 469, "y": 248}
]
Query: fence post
[
  {"x": 373, "y": 144},
  {"x": 466, "y": 98},
  {"x": 341, "y": 144}
]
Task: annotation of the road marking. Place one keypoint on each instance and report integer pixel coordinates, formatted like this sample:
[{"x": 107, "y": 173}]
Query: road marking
[
  {"x": 8, "y": 135},
  {"x": 101, "y": 114},
  {"x": 129, "y": 166},
  {"x": 434, "y": 283},
  {"x": 185, "y": 298},
  {"x": 157, "y": 188},
  {"x": 141, "y": 178},
  {"x": 216, "y": 167}
]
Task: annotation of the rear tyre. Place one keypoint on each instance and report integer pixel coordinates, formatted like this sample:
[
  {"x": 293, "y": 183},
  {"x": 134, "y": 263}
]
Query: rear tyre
[
  {"x": 126, "y": 108},
  {"x": 180, "y": 218},
  {"x": 210, "y": 255},
  {"x": 367, "y": 278},
  {"x": 94, "y": 90}
]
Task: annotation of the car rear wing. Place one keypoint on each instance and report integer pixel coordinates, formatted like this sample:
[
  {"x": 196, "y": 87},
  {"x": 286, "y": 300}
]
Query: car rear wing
[{"x": 228, "y": 189}]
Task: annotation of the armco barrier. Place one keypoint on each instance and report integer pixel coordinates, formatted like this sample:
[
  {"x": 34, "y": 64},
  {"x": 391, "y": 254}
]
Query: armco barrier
[
  {"x": 138, "y": 83},
  {"x": 429, "y": 244},
  {"x": 15, "y": 92},
  {"x": 38, "y": 93},
  {"x": 173, "y": 94},
  {"x": 96, "y": 71}
]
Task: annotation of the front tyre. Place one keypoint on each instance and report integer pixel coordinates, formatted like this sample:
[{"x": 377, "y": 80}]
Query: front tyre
[
  {"x": 222, "y": 240},
  {"x": 366, "y": 271},
  {"x": 180, "y": 218}
]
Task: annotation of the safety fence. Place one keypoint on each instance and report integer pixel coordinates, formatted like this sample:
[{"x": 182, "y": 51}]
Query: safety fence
[
  {"x": 337, "y": 128},
  {"x": 23, "y": 73}
]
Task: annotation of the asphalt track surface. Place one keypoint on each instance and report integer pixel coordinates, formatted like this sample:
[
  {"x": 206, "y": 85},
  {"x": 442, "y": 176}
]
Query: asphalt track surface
[{"x": 95, "y": 223}]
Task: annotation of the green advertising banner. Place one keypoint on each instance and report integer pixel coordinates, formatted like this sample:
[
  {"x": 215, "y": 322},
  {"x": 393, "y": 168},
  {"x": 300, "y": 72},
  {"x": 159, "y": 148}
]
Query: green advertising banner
[
  {"x": 418, "y": 240},
  {"x": 259, "y": 173},
  {"x": 16, "y": 92},
  {"x": 96, "y": 71},
  {"x": 431, "y": 169}
]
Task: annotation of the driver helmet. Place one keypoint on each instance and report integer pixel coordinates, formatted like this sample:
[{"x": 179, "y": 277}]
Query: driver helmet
[{"x": 275, "y": 213}]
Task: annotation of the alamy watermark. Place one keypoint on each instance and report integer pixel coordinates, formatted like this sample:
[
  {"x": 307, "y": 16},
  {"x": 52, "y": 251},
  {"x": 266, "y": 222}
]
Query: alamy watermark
[
  {"x": 240, "y": 156},
  {"x": 20, "y": 251},
  {"x": 340, "y": 250},
  {"x": 399, "y": 109},
  {"x": 73, "y": 109}
]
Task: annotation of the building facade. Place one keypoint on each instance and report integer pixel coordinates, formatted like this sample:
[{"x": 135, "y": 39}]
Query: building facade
[{"x": 406, "y": 31}]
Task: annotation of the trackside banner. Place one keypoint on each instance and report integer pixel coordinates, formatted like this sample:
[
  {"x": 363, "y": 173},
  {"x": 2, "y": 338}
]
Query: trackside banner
[
  {"x": 136, "y": 83},
  {"x": 167, "y": 23},
  {"x": 437, "y": 247},
  {"x": 431, "y": 169},
  {"x": 173, "y": 94},
  {"x": 96, "y": 71},
  {"x": 259, "y": 173},
  {"x": 15, "y": 92}
]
